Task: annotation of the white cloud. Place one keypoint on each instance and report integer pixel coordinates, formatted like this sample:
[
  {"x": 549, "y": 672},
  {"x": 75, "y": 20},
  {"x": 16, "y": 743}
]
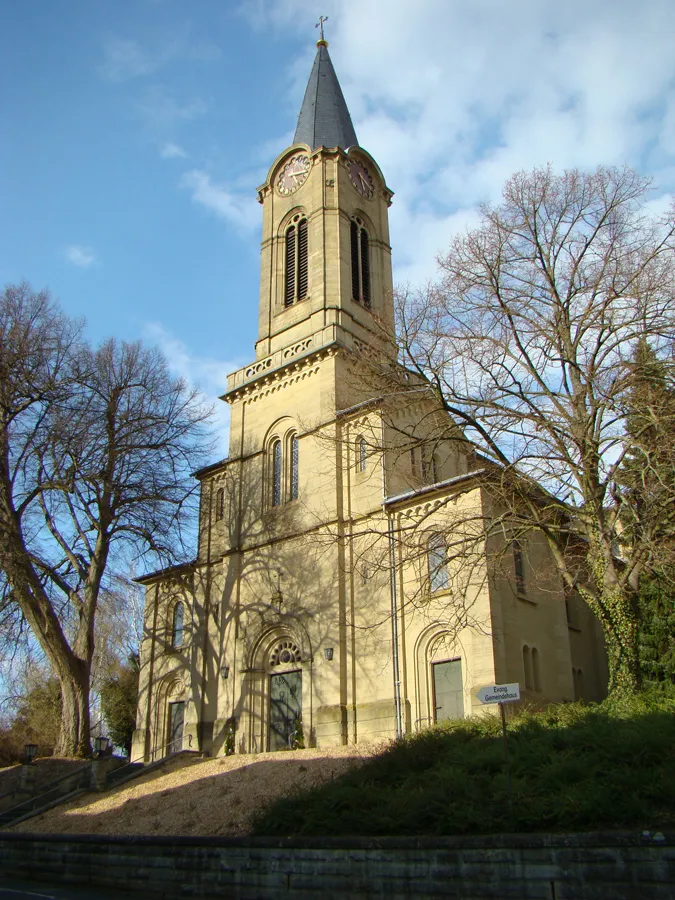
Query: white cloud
[
  {"x": 239, "y": 209},
  {"x": 208, "y": 375},
  {"x": 124, "y": 60},
  {"x": 79, "y": 256},
  {"x": 172, "y": 151},
  {"x": 162, "y": 111},
  {"x": 454, "y": 97},
  {"x": 662, "y": 205}
]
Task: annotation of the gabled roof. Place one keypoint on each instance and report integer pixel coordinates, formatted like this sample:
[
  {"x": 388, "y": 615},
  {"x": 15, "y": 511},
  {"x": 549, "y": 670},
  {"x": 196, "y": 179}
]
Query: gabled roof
[{"x": 324, "y": 119}]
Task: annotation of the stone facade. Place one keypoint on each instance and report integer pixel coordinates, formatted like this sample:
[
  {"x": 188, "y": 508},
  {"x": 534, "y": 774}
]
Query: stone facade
[{"x": 328, "y": 602}]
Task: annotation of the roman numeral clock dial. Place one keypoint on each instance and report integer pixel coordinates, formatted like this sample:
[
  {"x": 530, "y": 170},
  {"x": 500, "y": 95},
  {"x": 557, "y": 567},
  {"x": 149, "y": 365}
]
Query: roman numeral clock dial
[
  {"x": 293, "y": 175},
  {"x": 360, "y": 178}
]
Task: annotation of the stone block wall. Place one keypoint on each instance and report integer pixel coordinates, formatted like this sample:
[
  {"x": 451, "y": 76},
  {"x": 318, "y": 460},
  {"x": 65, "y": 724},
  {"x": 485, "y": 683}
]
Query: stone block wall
[{"x": 622, "y": 866}]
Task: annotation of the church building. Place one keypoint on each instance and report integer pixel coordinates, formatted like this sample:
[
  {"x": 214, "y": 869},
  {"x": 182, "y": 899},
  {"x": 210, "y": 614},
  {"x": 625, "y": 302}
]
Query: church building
[{"x": 342, "y": 590}]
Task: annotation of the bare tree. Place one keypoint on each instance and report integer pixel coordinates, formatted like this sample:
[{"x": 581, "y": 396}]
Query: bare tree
[
  {"x": 527, "y": 341},
  {"x": 96, "y": 447}
]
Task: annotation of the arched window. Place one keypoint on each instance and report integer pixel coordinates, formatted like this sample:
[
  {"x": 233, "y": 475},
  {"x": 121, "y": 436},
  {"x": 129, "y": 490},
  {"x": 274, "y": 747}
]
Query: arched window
[
  {"x": 220, "y": 504},
  {"x": 276, "y": 473},
  {"x": 437, "y": 550},
  {"x": 177, "y": 625},
  {"x": 429, "y": 465},
  {"x": 294, "y": 467},
  {"x": 297, "y": 273},
  {"x": 361, "y": 455},
  {"x": 536, "y": 672},
  {"x": 519, "y": 568},
  {"x": 360, "y": 251},
  {"x": 527, "y": 667}
]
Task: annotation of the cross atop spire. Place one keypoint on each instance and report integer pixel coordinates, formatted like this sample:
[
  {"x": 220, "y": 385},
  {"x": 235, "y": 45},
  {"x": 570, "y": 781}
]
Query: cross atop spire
[
  {"x": 319, "y": 25},
  {"x": 324, "y": 119}
]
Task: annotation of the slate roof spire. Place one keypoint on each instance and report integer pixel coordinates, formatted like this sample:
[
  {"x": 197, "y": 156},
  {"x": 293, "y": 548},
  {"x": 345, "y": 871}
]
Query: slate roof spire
[{"x": 324, "y": 119}]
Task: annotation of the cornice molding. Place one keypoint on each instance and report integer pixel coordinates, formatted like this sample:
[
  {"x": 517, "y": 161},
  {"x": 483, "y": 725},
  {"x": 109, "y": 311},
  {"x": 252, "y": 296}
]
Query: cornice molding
[{"x": 280, "y": 370}]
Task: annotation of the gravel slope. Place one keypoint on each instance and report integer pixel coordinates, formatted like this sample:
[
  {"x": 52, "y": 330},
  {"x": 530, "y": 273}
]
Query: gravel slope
[{"x": 203, "y": 797}]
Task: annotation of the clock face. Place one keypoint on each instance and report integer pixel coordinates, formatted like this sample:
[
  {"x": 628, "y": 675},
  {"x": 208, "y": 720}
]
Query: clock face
[
  {"x": 360, "y": 178},
  {"x": 293, "y": 175}
]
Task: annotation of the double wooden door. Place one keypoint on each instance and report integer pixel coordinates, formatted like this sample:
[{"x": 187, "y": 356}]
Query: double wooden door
[{"x": 285, "y": 709}]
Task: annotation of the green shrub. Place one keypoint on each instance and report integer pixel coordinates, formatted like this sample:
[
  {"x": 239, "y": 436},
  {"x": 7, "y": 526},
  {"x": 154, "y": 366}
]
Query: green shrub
[{"x": 573, "y": 767}]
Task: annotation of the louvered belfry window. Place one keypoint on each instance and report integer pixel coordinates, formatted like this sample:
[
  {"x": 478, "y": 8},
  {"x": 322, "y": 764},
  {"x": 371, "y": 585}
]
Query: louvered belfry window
[
  {"x": 356, "y": 284},
  {"x": 291, "y": 244},
  {"x": 360, "y": 253},
  {"x": 297, "y": 271}
]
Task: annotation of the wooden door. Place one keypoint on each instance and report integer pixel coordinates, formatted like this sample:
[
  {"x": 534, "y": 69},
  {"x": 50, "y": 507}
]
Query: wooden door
[
  {"x": 176, "y": 722},
  {"x": 285, "y": 708},
  {"x": 448, "y": 690}
]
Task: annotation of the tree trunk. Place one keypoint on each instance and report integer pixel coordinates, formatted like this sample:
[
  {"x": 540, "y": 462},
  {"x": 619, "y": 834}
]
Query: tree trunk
[
  {"x": 622, "y": 643},
  {"x": 75, "y": 734},
  {"x": 615, "y": 608}
]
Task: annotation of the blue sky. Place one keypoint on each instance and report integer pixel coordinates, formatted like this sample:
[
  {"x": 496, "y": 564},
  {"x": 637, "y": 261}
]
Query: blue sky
[{"x": 135, "y": 133}]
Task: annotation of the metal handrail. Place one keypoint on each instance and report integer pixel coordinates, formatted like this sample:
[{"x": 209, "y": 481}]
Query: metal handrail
[
  {"x": 40, "y": 799},
  {"x": 44, "y": 796},
  {"x": 153, "y": 757},
  {"x": 52, "y": 784}
]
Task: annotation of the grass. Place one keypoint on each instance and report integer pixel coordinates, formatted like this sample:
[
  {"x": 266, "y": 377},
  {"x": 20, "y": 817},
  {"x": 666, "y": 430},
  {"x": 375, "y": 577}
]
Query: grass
[{"x": 574, "y": 767}]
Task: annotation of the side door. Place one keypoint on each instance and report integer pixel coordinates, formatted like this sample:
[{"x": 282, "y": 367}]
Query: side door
[
  {"x": 176, "y": 722},
  {"x": 448, "y": 690}
]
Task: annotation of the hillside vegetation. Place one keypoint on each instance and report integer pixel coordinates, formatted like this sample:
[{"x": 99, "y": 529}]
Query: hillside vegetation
[{"x": 573, "y": 768}]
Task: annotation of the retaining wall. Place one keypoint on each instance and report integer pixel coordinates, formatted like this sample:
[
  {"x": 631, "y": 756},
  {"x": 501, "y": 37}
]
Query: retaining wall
[{"x": 620, "y": 866}]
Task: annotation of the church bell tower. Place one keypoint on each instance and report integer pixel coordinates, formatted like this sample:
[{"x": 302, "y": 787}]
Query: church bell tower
[{"x": 325, "y": 255}]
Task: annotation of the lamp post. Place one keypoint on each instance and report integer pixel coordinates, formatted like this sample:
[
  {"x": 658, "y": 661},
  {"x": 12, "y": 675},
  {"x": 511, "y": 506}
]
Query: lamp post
[
  {"x": 28, "y": 770},
  {"x": 30, "y": 751},
  {"x": 102, "y": 763},
  {"x": 101, "y": 745}
]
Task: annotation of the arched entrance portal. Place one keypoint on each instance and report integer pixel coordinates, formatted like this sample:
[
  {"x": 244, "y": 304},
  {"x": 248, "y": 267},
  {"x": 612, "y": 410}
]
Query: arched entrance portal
[
  {"x": 285, "y": 693},
  {"x": 278, "y": 688},
  {"x": 440, "y": 677}
]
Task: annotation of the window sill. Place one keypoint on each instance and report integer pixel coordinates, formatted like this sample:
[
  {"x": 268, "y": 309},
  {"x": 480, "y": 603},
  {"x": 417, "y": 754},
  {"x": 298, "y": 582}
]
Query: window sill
[
  {"x": 524, "y": 599},
  {"x": 279, "y": 507},
  {"x": 573, "y": 628},
  {"x": 284, "y": 308}
]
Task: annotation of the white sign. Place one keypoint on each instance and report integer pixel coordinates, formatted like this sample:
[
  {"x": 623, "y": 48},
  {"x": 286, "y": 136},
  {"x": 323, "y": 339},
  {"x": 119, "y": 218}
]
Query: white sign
[{"x": 499, "y": 693}]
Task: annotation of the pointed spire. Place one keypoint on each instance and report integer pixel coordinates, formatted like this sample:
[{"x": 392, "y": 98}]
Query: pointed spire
[{"x": 324, "y": 119}]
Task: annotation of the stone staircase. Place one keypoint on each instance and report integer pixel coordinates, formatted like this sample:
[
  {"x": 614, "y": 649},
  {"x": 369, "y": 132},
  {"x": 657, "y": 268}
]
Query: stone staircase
[
  {"x": 85, "y": 778},
  {"x": 124, "y": 774},
  {"x": 48, "y": 795}
]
